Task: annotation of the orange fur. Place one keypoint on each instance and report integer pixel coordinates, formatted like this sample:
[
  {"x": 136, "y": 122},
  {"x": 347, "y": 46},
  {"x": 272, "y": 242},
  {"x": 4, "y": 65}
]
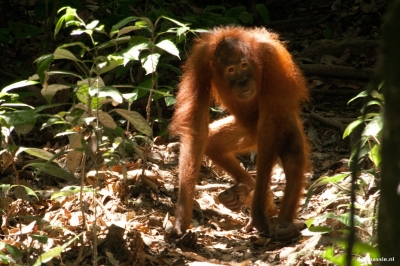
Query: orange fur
[{"x": 268, "y": 122}]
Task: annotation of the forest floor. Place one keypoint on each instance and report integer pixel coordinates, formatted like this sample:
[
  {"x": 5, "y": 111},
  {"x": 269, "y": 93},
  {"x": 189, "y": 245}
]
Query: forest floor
[{"x": 129, "y": 214}]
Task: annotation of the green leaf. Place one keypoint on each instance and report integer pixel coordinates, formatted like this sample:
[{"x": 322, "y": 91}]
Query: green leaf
[
  {"x": 365, "y": 248},
  {"x": 19, "y": 117},
  {"x": 16, "y": 105},
  {"x": 137, "y": 45},
  {"x": 66, "y": 192},
  {"x": 181, "y": 34},
  {"x": 168, "y": 46},
  {"x": 128, "y": 29},
  {"x": 264, "y": 12},
  {"x": 106, "y": 120},
  {"x": 88, "y": 88},
  {"x": 71, "y": 190},
  {"x": 14, "y": 251},
  {"x": 374, "y": 127},
  {"x": 28, "y": 190},
  {"x": 82, "y": 93},
  {"x": 42, "y": 239},
  {"x": 327, "y": 32},
  {"x": 375, "y": 102},
  {"x": 96, "y": 103},
  {"x": 360, "y": 95},
  {"x": 380, "y": 86},
  {"x": 111, "y": 259},
  {"x": 92, "y": 25},
  {"x": 339, "y": 259},
  {"x": 60, "y": 194},
  {"x": 333, "y": 199},
  {"x": 54, "y": 171},
  {"x": 349, "y": 129},
  {"x": 375, "y": 155},
  {"x": 109, "y": 91},
  {"x": 145, "y": 23},
  {"x": 48, "y": 255},
  {"x": 170, "y": 100},
  {"x": 162, "y": 92},
  {"x": 80, "y": 44},
  {"x": 136, "y": 120},
  {"x": 116, "y": 27},
  {"x": 40, "y": 153},
  {"x": 5, "y": 259},
  {"x": 150, "y": 62},
  {"x": 364, "y": 150},
  {"x": 320, "y": 229},
  {"x": 140, "y": 90},
  {"x": 174, "y": 21},
  {"x": 54, "y": 252},
  {"x": 19, "y": 84},
  {"x": 246, "y": 18},
  {"x": 79, "y": 32},
  {"x": 320, "y": 218},
  {"x": 71, "y": 15},
  {"x": 62, "y": 72},
  {"x": 377, "y": 95},
  {"x": 22, "y": 30},
  {"x": 345, "y": 218},
  {"x": 114, "y": 42},
  {"x": 5, "y": 187},
  {"x": 235, "y": 11},
  {"x": 44, "y": 107},
  {"x": 77, "y": 189},
  {"x": 323, "y": 181},
  {"x": 76, "y": 114},
  {"x": 59, "y": 24},
  {"x": 5, "y": 36},
  {"x": 43, "y": 64},
  {"x": 109, "y": 63},
  {"x": 60, "y": 53},
  {"x": 51, "y": 90},
  {"x": 137, "y": 93}
]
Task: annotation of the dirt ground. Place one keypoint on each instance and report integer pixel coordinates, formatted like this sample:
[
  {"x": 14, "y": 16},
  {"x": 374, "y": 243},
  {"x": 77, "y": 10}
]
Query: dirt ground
[{"x": 129, "y": 212}]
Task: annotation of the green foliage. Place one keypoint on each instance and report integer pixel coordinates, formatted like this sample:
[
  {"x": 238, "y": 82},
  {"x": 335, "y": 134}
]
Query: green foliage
[
  {"x": 343, "y": 218},
  {"x": 363, "y": 253},
  {"x": 20, "y": 118},
  {"x": 105, "y": 52},
  {"x": 372, "y": 120},
  {"x": 323, "y": 181},
  {"x": 54, "y": 252},
  {"x": 220, "y": 15},
  {"x": 5, "y": 37},
  {"x": 71, "y": 190},
  {"x": 264, "y": 12},
  {"x": 314, "y": 224},
  {"x": 214, "y": 15},
  {"x": 318, "y": 224},
  {"x": 93, "y": 131},
  {"x": 370, "y": 148},
  {"x": 14, "y": 253},
  {"x": 17, "y": 31},
  {"x": 327, "y": 32},
  {"x": 15, "y": 115}
]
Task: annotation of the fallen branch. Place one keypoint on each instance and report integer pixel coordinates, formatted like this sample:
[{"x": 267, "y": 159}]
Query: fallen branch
[
  {"x": 298, "y": 22},
  {"x": 337, "y": 48},
  {"x": 337, "y": 71},
  {"x": 327, "y": 121}
]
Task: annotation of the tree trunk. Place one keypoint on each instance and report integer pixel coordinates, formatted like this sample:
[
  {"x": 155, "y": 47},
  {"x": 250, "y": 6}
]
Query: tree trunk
[{"x": 389, "y": 206}]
